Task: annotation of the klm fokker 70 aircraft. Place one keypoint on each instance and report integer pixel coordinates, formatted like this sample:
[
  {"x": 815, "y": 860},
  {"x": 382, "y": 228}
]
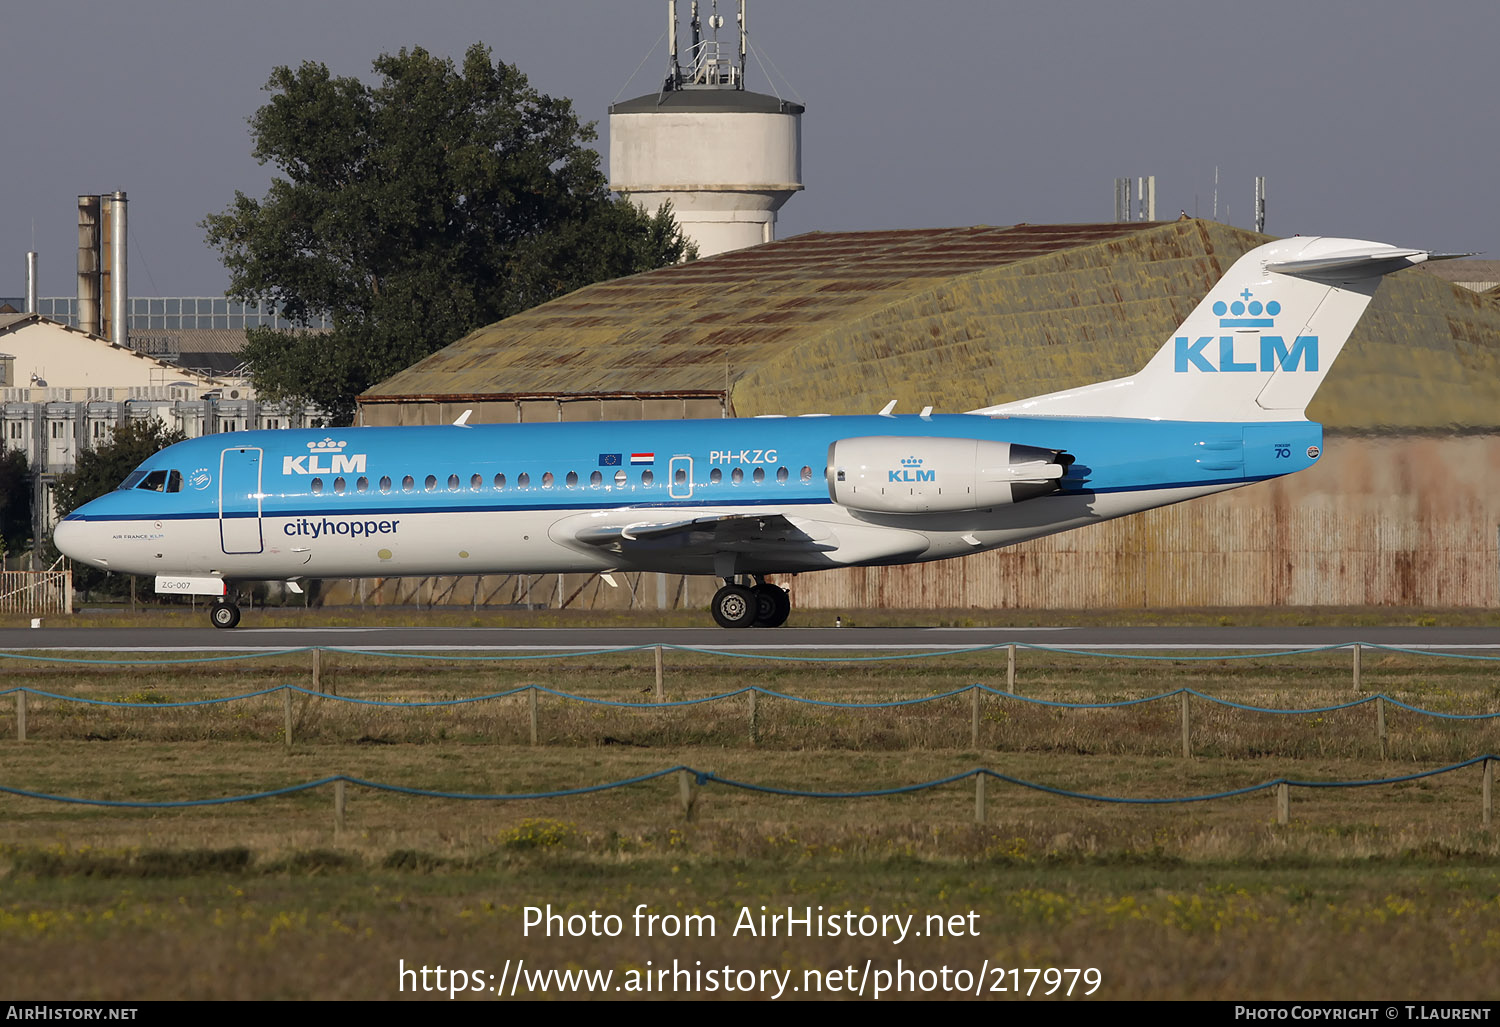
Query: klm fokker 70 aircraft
[{"x": 1219, "y": 406}]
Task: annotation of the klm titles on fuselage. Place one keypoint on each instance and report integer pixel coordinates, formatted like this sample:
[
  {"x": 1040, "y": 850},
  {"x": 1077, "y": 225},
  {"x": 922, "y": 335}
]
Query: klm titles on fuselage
[
  {"x": 1272, "y": 354},
  {"x": 333, "y": 452}
]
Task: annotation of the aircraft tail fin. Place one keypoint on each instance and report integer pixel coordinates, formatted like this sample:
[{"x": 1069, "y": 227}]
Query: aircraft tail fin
[{"x": 1258, "y": 345}]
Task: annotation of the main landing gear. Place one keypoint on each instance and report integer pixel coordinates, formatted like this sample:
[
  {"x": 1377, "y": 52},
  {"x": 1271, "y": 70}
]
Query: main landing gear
[{"x": 761, "y": 605}]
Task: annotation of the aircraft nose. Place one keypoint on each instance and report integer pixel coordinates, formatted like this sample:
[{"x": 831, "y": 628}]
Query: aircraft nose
[{"x": 71, "y": 536}]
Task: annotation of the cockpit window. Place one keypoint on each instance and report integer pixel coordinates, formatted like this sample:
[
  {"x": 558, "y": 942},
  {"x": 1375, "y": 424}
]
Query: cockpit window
[
  {"x": 157, "y": 481},
  {"x": 132, "y": 479}
]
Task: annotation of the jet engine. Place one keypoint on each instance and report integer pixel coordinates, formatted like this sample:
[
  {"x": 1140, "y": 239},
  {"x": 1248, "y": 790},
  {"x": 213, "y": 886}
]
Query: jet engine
[{"x": 910, "y": 475}]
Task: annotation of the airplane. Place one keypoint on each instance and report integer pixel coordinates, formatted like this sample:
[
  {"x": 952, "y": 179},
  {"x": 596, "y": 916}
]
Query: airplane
[{"x": 1220, "y": 405}]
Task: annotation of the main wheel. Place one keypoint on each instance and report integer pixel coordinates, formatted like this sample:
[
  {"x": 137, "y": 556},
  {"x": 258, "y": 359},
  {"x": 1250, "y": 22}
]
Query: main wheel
[
  {"x": 734, "y": 606},
  {"x": 773, "y": 605},
  {"x": 223, "y": 615}
]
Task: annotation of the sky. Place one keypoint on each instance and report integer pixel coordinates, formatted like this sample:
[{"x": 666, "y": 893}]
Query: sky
[{"x": 1368, "y": 118}]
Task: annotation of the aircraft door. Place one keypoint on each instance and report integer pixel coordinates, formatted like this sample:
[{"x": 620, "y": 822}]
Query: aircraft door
[
  {"x": 680, "y": 480},
  {"x": 239, "y": 501}
]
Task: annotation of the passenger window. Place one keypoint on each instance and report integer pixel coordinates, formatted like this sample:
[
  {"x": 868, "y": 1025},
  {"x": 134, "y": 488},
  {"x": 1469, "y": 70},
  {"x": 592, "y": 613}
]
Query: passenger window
[
  {"x": 547, "y": 479},
  {"x": 715, "y": 476},
  {"x": 647, "y": 478},
  {"x": 362, "y": 486},
  {"x": 595, "y": 480},
  {"x": 680, "y": 477},
  {"x": 431, "y": 483},
  {"x": 453, "y": 485},
  {"x": 781, "y": 475},
  {"x": 759, "y": 475},
  {"x": 476, "y": 483},
  {"x": 807, "y": 473},
  {"x": 736, "y": 476},
  {"x": 572, "y": 479},
  {"x": 339, "y": 486},
  {"x": 408, "y": 483},
  {"x": 523, "y": 480},
  {"x": 620, "y": 479},
  {"x": 499, "y": 482},
  {"x": 317, "y": 486}
]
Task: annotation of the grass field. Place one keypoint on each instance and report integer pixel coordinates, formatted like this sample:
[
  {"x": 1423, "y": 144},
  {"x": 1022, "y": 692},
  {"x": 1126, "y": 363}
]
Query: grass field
[{"x": 1390, "y": 891}]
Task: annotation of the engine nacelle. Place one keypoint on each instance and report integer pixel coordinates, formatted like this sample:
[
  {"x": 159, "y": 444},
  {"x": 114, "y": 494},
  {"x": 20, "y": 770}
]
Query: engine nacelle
[{"x": 910, "y": 475}]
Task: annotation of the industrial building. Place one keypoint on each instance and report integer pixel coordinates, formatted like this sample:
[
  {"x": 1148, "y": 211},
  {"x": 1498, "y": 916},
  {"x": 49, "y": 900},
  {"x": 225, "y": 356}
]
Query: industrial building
[{"x": 1403, "y": 508}]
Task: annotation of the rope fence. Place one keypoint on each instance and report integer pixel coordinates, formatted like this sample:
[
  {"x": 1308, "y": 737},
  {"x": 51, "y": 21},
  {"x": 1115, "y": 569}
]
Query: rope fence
[
  {"x": 975, "y": 691},
  {"x": 691, "y": 780}
]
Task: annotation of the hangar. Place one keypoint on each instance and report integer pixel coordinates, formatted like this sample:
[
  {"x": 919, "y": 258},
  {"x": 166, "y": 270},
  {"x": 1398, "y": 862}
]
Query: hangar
[{"x": 1402, "y": 510}]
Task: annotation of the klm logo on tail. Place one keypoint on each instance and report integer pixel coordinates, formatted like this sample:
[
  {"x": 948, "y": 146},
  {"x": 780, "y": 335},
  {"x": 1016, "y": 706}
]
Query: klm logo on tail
[{"x": 1209, "y": 354}]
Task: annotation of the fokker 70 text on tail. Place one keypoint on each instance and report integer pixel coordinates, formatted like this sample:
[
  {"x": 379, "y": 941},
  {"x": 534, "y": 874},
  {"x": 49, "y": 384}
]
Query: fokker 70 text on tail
[{"x": 1220, "y": 405}]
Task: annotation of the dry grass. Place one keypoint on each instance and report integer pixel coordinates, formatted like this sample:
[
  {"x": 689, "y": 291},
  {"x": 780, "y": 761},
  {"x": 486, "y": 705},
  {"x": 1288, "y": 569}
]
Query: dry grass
[{"x": 1391, "y": 891}]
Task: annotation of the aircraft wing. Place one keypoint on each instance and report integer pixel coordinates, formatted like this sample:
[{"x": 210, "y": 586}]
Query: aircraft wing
[{"x": 714, "y": 533}]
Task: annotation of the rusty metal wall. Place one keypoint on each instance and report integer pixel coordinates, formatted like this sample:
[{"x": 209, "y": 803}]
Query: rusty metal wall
[{"x": 1397, "y": 521}]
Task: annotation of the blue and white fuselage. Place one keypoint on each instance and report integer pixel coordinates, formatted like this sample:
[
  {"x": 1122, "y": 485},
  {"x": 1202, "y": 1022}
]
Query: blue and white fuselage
[
  {"x": 521, "y": 498},
  {"x": 1219, "y": 406}
]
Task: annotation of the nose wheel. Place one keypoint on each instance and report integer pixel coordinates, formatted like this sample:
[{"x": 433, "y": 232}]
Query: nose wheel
[
  {"x": 762, "y": 605},
  {"x": 223, "y": 613}
]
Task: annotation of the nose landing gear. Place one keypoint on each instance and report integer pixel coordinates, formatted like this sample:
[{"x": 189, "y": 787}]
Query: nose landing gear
[
  {"x": 224, "y": 613},
  {"x": 762, "y": 605}
]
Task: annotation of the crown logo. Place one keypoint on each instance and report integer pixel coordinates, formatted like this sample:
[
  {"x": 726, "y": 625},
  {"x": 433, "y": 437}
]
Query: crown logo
[
  {"x": 1245, "y": 305},
  {"x": 911, "y": 461},
  {"x": 327, "y": 446}
]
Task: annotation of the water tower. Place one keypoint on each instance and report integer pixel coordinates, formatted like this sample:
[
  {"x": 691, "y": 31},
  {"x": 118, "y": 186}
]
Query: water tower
[{"x": 726, "y": 158}]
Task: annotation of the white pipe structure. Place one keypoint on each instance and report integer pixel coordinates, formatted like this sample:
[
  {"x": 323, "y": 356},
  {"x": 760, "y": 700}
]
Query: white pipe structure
[{"x": 119, "y": 294}]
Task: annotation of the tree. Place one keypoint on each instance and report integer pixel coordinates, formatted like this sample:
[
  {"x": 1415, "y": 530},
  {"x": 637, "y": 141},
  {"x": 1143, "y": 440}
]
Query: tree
[
  {"x": 15, "y": 501},
  {"x": 414, "y": 211}
]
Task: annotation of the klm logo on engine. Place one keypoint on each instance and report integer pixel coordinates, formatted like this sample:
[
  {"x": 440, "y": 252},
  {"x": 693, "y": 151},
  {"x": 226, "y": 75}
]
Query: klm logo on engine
[
  {"x": 911, "y": 471},
  {"x": 1266, "y": 353},
  {"x": 313, "y": 462}
]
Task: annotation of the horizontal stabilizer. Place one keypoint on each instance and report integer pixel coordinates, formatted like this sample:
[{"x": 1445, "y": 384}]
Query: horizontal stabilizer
[{"x": 1363, "y": 262}]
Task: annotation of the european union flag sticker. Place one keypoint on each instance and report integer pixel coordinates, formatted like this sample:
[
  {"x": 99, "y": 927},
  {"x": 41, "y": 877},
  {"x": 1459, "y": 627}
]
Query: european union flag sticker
[{"x": 609, "y": 459}]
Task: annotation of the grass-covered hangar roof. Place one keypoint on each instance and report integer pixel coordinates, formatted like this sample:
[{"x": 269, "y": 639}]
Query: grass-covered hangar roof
[{"x": 956, "y": 318}]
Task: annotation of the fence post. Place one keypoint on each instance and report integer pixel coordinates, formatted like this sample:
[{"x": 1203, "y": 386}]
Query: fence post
[
  {"x": 1357, "y": 650},
  {"x": 317, "y": 669},
  {"x": 1283, "y": 803},
  {"x": 1488, "y": 793},
  {"x": 286, "y": 712},
  {"x": 1385, "y": 743},
  {"x": 67, "y": 591},
  {"x": 1010, "y": 668},
  {"x": 533, "y": 714},
  {"x": 685, "y": 793},
  {"x": 20, "y": 714},
  {"x": 979, "y": 777},
  {"x": 1187, "y": 728},
  {"x": 658, "y": 675},
  {"x": 753, "y": 725},
  {"x": 338, "y": 806},
  {"x": 974, "y": 716}
]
